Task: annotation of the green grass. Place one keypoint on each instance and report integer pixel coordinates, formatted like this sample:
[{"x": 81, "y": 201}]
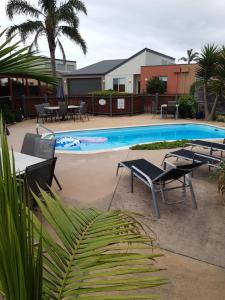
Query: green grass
[{"x": 160, "y": 145}]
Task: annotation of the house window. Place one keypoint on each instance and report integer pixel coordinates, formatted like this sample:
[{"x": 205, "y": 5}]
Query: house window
[
  {"x": 70, "y": 68},
  {"x": 164, "y": 79},
  {"x": 60, "y": 67},
  {"x": 164, "y": 62},
  {"x": 119, "y": 84}
]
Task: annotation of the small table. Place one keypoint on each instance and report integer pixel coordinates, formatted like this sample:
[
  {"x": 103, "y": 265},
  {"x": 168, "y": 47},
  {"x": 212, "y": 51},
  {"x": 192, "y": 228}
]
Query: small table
[
  {"x": 164, "y": 106},
  {"x": 55, "y": 108},
  {"x": 22, "y": 161}
]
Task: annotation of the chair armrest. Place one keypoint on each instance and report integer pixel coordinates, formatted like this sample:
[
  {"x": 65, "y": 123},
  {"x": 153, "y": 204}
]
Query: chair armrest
[
  {"x": 141, "y": 173},
  {"x": 169, "y": 164}
]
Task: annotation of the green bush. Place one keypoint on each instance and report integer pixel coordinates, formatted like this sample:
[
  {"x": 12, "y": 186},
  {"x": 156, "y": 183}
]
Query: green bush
[
  {"x": 155, "y": 85},
  {"x": 187, "y": 106},
  {"x": 8, "y": 115},
  {"x": 160, "y": 145},
  {"x": 220, "y": 118},
  {"x": 106, "y": 93}
]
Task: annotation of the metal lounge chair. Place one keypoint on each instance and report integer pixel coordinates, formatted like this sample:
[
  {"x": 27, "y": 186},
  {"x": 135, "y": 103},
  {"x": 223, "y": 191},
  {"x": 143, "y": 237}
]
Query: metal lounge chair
[
  {"x": 158, "y": 179},
  {"x": 212, "y": 146},
  {"x": 34, "y": 145},
  {"x": 39, "y": 176},
  {"x": 189, "y": 155}
]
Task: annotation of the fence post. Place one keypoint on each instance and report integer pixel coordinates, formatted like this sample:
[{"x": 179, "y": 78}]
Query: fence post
[
  {"x": 24, "y": 107},
  {"x": 132, "y": 104},
  {"x": 110, "y": 105},
  {"x": 93, "y": 104}
]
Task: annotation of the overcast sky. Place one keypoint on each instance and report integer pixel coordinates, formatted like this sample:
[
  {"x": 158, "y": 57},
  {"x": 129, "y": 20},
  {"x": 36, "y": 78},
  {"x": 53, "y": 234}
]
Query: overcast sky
[{"x": 120, "y": 28}]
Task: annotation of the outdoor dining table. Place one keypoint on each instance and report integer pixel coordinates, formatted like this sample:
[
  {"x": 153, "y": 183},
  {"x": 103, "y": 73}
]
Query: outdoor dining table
[{"x": 55, "y": 108}]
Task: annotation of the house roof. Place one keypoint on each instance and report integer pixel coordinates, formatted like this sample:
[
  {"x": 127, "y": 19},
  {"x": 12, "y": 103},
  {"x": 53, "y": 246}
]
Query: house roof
[
  {"x": 140, "y": 52},
  {"x": 106, "y": 66},
  {"x": 99, "y": 68}
]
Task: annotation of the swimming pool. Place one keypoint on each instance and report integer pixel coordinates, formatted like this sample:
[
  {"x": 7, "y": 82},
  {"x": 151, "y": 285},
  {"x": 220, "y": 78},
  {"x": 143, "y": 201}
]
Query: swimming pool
[{"x": 118, "y": 138}]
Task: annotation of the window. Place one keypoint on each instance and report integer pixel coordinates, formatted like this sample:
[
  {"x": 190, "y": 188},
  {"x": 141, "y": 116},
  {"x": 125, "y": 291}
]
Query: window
[
  {"x": 70, "y": 68},
  {"x": 119, "y": 84},
  {"x": 60, "y": 67},
  {"x": 164, "y": 62},
  {"x": 164, "y": 79}
]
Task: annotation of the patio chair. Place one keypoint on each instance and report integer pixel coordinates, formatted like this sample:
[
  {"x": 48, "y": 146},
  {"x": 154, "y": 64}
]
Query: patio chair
[
  {"x": 62, "y": 112},
  {"x": 212, "y": 146},
  {"x": 41, "y": 113},
  {"x": 39, "y": 176},
  {"x": 83, "y": 111},
  {"x": 34, "y": 145},
  {"x": 158, "y": 179},
  {"x": 189, "y": 155}
]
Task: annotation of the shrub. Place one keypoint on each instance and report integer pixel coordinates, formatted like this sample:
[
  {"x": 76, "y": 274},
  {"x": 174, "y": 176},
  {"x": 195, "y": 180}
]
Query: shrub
[
  {"x": 220, "y": 118},
  {"x": 8, "y": 115},
  {"x": 160, "y": 145},
  {"x": 106, "y": 93},
  {"x": 187, "y": 106},
  {"x": 155, "y": 85}
]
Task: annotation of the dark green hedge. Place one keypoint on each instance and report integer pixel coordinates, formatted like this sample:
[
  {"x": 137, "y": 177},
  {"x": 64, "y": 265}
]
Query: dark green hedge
[{"x": 160, "y": 145}]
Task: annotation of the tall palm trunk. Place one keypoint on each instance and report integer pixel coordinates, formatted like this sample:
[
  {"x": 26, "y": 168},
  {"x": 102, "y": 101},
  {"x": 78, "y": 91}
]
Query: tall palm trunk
[
  {"x": 52, "y": 56},
  {"x": 206, "y": 106},
  {"x": 210, "y": 116}
]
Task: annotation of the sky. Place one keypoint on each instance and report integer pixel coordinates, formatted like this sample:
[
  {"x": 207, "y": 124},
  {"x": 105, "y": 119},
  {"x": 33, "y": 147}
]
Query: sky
[{"x": 116, "y": 29}]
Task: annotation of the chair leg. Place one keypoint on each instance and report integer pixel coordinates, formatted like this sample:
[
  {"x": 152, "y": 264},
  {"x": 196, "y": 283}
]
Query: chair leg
[
  {"x": 131, "y": 181},
  {"x": 194, "y": 202},
  {"x": 57, "y": 182},
  {"x": 118, "y": 167},
  {"x": 155, "y": 204}
]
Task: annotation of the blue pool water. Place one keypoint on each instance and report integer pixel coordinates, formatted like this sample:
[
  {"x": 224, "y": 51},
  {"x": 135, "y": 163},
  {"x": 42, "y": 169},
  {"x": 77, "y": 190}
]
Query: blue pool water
[{"x": 105, "y": 139}]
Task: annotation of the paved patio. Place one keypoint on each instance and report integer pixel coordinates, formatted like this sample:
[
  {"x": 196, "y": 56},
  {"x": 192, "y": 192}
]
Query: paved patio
[{"x": 193, "y": 239}]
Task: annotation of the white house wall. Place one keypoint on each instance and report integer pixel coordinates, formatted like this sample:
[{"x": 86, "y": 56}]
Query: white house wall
[{"x": 133, "y": 67}]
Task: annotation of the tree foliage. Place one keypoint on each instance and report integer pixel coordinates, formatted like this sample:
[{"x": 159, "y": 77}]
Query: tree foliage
[
  {"x": 50, "y": 20},
  {"x": 191, "y": 57},
  {"x": 18, "y": 61},
  {"x": 155, "y": 85},
  {"x": 211, "y": 73}
]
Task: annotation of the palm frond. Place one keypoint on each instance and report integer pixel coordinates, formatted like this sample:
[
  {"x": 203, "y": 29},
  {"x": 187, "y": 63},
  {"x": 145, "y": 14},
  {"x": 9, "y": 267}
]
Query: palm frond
[
  {"x": 26, "y": 28},
  {"x": 73, "y": 34},
  {"x": 19, "y": 61},
  {"x": 207, "y": 62},
  {"x": 21, "y": 7},
  {"x": 72, "y": 5},
  {"x": 97, "y": 254},
  {"x": 182, "y": 58},
  {"x": 20, "y": 264}
]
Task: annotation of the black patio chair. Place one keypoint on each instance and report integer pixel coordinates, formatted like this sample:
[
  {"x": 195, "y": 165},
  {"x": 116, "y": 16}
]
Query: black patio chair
[
  {"x": 189, "y": 155},
  {"x": 212, "y": 146},
  {"x": 41, "y": 112},
  {"x": 62, "y": 112},
  {"x": 158, "y": 179},
  {"x": 39, "y": 176},
  {"x": 34, "y": 145}
]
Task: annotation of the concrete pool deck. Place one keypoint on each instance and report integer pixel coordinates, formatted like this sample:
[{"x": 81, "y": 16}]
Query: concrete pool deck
[{"x": 89, "y": 180}]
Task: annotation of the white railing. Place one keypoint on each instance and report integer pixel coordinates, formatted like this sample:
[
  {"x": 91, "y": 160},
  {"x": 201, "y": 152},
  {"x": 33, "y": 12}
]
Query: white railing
[{"x": 38, "y": 126}]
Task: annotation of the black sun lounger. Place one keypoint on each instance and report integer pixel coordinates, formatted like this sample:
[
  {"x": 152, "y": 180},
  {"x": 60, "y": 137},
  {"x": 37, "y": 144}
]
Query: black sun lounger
[
  {"x": 210, "y": 160},
  {"x": 158, "y": 179},
  {"x": 208, "y": 145}
]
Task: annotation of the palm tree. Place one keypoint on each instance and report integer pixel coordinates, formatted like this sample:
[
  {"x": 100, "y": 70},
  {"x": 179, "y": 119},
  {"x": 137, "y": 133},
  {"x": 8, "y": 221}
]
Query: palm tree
[
  {"x": 208, "y": 71},
  {"x": 191, "y": 56},
  {"x": 52, "y": 20}
]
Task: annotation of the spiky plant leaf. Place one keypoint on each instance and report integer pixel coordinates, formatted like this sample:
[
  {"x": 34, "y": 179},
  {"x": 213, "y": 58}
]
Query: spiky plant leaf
[
  {"x": 18, "y": 61},
  {"x": 20, "y": 263},
  {"x": 98, "y": 255}
]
